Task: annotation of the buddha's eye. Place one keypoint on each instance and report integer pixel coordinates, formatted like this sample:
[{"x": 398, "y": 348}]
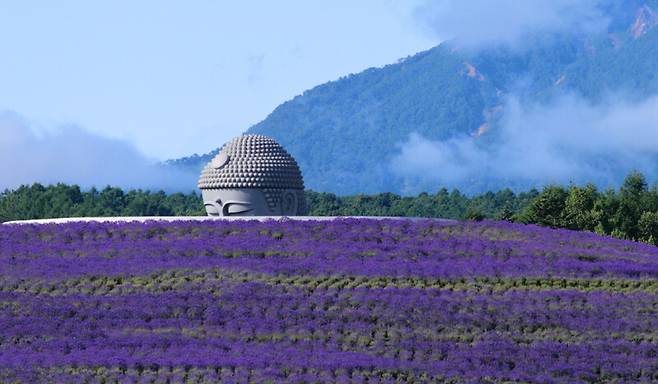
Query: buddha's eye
[
  {"x": 236, "y": 208},
  {"x": 214, "y": 208}
]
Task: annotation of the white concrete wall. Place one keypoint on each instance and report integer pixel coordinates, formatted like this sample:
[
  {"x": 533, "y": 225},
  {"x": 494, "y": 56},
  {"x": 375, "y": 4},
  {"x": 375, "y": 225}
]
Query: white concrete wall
[{"x": 202, "y": 218}]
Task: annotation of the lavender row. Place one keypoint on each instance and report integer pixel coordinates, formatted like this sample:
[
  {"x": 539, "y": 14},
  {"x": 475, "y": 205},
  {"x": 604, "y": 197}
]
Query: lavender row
[
  {"x": 356, "y": 247},
  {"x": 255, "y": 311},
  {"x": 254, "y": 326}
]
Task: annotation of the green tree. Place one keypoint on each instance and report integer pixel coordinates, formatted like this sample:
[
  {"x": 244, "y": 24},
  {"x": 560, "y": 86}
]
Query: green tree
[
  {"x": 546, "y": 209},
  {"x": 605, "y": 208},
  {"x": 112, "y": 201},
  {"x": 505, "y": 214},
  {"x": 631, "y": 196},
  {"x": 648, "y": 227},
  {"x": 474, "y": 214},
  {"x": 579, "y": 208}
]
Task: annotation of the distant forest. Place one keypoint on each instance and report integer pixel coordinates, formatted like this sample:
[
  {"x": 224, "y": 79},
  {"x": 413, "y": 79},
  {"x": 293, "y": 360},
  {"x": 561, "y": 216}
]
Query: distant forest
[{"x": 630, "y": 212}]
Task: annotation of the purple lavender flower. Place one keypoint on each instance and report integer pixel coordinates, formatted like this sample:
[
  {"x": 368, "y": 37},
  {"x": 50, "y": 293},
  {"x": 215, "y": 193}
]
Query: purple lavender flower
[{"x": 351, "y": 300}]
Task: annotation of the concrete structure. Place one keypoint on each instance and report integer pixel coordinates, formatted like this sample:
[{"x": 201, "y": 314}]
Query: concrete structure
[
  {"x": 252, "y": 176},
  {"x": 206, "y": 218}
]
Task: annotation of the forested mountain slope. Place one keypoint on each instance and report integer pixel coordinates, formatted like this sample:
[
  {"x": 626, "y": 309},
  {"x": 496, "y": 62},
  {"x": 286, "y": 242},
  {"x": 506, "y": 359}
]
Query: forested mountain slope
[{"x": 347, "y": 134}]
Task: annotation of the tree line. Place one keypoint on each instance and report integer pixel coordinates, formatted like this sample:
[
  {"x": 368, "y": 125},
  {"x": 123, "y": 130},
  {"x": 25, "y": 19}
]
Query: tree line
[
  {"x": 629, "y": 212},
  {"x": 39, "y": 202}
]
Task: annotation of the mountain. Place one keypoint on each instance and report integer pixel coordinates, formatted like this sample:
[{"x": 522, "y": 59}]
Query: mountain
[{"x": 347, "y": 134}]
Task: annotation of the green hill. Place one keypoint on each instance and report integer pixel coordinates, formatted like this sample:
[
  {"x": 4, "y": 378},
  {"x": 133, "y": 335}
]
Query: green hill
[{"x": 346, "y": 133}]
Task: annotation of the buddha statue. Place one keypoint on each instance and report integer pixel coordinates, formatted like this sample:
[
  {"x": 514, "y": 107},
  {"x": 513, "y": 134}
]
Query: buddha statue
[{"x": 252, "y": 175}]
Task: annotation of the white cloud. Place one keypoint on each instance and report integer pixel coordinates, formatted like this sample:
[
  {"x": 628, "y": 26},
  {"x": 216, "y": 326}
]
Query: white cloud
[
  {"x": 477, "y": 23},
  {"x": 568, "y": 140},
  {"x": 73, "y": 155}
]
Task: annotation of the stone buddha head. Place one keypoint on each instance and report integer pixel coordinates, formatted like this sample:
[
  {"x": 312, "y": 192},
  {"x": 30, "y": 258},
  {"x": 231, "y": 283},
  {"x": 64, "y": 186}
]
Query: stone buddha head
[{"x": 252, "y": 176}]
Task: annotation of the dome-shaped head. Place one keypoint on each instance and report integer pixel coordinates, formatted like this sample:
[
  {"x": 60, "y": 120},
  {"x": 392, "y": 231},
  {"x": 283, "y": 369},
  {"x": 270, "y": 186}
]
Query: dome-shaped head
[{"x": 252, "y": 176}]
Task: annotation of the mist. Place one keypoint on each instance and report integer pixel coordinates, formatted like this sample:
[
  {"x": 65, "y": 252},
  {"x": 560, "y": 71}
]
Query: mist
[
  {"x": 73, "y": 155},
  {"x": 482, "y": 23},
  {"x": 569, "y": 140}
]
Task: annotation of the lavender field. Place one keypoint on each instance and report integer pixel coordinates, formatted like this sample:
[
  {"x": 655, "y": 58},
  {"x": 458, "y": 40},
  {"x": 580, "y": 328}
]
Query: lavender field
[{"x": 353, "y": 300}]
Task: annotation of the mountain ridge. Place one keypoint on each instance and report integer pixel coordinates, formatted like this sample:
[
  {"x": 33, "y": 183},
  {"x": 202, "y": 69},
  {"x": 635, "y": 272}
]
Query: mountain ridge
[{"x": 345, "y": 133}]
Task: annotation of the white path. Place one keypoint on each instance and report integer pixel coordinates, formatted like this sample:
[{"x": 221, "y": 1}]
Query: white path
[{"x": 205, "y": 218}]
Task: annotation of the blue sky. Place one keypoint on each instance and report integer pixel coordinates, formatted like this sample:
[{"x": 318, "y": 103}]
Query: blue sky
[
  {"x": 174, "y": 78},
  {"x": 96, "y": 92}
]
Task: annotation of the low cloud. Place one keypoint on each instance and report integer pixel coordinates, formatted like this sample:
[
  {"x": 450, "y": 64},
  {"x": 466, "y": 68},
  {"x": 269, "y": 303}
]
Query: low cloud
[
  {"x": 75, "y": 156},
  {"x": 569, "y": 140},
  {"x": 478, "y": 23}
]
